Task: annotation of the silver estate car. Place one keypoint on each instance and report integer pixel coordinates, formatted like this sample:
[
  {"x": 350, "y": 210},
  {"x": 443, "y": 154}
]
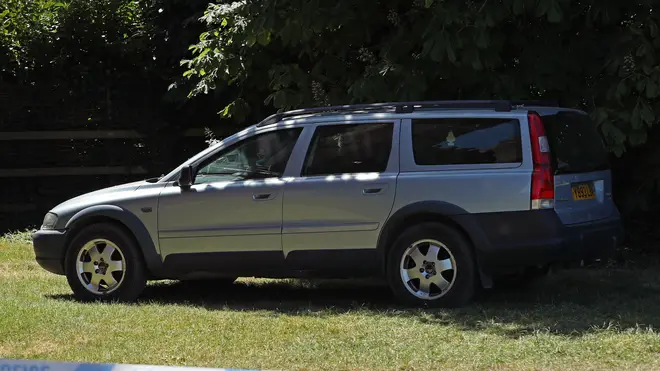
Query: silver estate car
[{"x": 436, "y": 198}]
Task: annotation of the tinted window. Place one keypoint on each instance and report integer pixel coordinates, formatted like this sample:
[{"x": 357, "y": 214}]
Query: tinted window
[
  {"x": 455, "y": 141},
  {"x": 261, "y": 156},
  {"x": 339, "y": 149},
  {"x": 575, "y": 143}
]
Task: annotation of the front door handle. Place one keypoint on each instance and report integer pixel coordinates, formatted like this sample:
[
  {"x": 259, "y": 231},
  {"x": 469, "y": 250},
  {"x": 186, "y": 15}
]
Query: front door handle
[{"x": 262, "y": 196}]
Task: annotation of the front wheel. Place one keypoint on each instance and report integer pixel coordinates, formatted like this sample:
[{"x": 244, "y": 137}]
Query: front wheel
[
  {"x": 103, "y": 263},
  {"x": 431, "y": 264}
]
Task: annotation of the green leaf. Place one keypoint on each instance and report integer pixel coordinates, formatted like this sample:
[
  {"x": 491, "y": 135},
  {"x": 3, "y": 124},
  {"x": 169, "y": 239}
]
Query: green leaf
[
  {"x": 279, "y": 99},
  {"x": 555, "y": 13},
  {"x": 636, "y": 117},
  {"x": 450, "y": 53},
  {"x": 611, "y": 131},
  {"x": 641, "y": 50},
  {"x": 651, "y": 89},
  {"x": 225, "y": 111},
  {"x": 264, "y": 38},
  {"x": 637, "y": 137},
  {"x": 438, "y": 51},
  {"x": 599, "y": 115},
  {"x": 269, "y": 99},
  {"x": 483, "y": 38},
  {"x": 542, "y": 7},
  {"x": 428, "y": 3},
  {"x": 251, "y": 39},
  {"x": 204, "y": 53},
  {"x": 518, "y": 7},
  {"x": 621, "y": 90},
  {"x": 647, "y": 114},
  {"x": 285, "y": 34},
  {"x": 653, "y": 28},
  {"x": 427, "y": 47},
  {"x": 489, "y": 21}
]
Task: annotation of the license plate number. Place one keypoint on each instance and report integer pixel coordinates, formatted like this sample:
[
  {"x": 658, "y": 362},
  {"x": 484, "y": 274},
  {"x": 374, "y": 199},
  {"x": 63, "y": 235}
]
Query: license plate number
[{"x": 583, "y": 191}]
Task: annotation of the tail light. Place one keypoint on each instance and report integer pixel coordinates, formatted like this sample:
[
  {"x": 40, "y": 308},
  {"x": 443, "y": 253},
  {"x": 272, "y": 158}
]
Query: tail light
[{"x": 543, "y": 184}]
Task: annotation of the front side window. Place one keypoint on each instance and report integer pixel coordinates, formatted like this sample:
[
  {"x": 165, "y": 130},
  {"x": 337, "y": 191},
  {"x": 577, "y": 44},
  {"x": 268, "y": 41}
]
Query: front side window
[
  {"x": 261, "y": 156},
  {"x": 342, "y": 149},
  {"x": 458, "y": 141}
]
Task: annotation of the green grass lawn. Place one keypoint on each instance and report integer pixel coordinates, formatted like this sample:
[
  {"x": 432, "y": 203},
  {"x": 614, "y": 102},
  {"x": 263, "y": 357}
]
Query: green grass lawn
[{"x": 586, "y": 319}]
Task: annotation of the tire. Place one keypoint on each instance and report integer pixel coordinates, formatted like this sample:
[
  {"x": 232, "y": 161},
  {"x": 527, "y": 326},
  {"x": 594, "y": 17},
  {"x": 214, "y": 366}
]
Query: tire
[
  {"x": 90, "y": 246},
  {"x": 453, "y": 262}
]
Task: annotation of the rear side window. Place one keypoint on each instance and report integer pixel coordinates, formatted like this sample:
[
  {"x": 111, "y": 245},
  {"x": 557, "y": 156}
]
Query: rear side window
[
  {"x": 340, "y": 149},
  {"x": 457, "y": 141},
  {"x": 575, "y": 143}
]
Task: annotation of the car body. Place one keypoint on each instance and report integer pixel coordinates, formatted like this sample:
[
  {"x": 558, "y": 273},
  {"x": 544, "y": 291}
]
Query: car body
[{"x": 457, "y": 191}]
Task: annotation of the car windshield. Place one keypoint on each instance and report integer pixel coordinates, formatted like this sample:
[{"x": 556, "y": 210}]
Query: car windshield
[{"x": 174, "y": 174}]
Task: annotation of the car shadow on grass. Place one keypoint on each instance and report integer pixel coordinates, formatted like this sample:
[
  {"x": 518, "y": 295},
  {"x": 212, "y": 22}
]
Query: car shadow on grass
[{"x": 569, "y": 303}]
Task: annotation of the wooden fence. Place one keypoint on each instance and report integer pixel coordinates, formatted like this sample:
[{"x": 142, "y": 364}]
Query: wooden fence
[{"x": 39, "y": 169}]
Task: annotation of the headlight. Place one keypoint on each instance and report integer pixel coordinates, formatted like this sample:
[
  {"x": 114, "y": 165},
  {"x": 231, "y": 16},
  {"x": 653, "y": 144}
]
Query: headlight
[{"x": 49, "y": 221}]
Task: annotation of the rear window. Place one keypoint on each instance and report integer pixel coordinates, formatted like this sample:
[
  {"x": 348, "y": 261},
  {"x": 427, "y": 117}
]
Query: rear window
[
  {"x": 575, "y": 142},
  {"x": 457, "y": 141},
  {"x": 344, "y": 149}
]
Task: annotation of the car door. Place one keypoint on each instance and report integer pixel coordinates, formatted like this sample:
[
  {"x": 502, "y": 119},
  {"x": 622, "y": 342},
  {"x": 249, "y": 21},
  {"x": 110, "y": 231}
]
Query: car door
[
  {"x": 230, "y": 219},
  {"x": 340, "y": 197}
]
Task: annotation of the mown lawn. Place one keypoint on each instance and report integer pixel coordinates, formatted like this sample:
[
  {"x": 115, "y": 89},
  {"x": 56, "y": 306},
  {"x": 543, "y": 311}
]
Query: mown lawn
[{"x": 587, "y": 319}]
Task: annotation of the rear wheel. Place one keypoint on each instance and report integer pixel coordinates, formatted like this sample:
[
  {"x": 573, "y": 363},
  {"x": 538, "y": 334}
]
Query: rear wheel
[
  {"x": 103, "y": 263},
  {"x": 431, "y": 264}
]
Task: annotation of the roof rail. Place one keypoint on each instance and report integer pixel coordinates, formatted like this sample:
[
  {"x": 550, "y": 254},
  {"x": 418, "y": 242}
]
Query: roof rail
[{"x": 405, "y": 107}]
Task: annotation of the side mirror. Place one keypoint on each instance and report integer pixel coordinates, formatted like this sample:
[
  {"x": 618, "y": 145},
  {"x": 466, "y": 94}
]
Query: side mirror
[{"x": 186, "y": 177}]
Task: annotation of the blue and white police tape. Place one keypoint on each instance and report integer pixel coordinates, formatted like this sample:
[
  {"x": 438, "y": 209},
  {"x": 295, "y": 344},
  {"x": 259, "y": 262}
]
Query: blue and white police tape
[{"x": 24, "y": 365}]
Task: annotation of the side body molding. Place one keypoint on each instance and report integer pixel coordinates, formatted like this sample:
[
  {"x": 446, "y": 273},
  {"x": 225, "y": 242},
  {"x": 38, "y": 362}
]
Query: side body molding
[{"x": 129, "y": 220}]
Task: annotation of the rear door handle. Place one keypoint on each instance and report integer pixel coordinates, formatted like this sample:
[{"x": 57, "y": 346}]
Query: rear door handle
[
  {"x": 262, "y": 196},
  {"x": 371, "y": 191}
]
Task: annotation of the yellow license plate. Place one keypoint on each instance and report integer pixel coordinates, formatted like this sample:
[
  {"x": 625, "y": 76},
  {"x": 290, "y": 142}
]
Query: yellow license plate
[{"x": 584, "y": 191}]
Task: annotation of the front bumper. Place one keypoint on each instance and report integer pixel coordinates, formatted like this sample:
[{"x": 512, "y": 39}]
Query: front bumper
[{"x": 49, "y": 249}]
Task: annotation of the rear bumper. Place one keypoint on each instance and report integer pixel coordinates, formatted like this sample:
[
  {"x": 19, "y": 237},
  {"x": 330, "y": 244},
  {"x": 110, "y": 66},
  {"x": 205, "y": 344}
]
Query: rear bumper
[
  {"x": 507, "y": 242},
  {"x": 596, "y": 240},
  {"x": 49, "y": 249}
]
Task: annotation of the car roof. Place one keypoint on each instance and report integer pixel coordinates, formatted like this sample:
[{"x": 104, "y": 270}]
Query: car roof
[{"x": 397, "y": 110}]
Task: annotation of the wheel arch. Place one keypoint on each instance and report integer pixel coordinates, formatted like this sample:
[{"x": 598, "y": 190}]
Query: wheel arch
[
  {"x": 126, "y": 220},
  {"x": 432, "y": 211}
]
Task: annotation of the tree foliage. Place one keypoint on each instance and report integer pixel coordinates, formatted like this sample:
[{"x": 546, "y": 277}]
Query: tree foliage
[
  {"x": 102, "y": 64},
  {"x": 598, "y": 55}
]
